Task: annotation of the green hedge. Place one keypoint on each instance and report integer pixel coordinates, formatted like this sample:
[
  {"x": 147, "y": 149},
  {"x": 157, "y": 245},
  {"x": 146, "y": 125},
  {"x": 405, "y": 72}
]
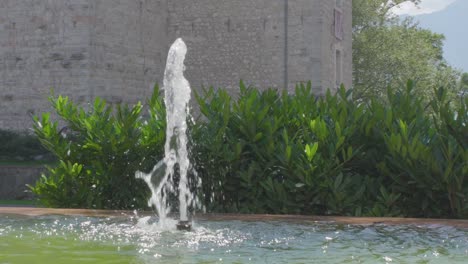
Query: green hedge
[
  {"x": 99, "y": 154},
  {"x": 297, "y": 154},
  {"x": 20, "y": 147},
  {"x": 266, "y": 152}
]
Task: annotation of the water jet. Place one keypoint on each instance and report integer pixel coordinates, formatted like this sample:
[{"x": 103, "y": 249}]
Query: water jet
[{"x": 160, "y": 180}]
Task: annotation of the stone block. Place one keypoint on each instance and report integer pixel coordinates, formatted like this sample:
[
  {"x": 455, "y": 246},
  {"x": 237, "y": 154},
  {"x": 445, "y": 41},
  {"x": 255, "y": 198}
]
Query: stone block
[
  {"x": 13, "y": 181},
  {"x": 117, "y": 49}
]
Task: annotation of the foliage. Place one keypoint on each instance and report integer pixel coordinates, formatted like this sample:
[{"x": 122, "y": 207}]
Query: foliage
[
  {"x": 99, "y": 151},
  {"x": 270, "y": 152},
  {"x": 388, "y": 50},
  {"x": 31, "y": 203},
  {"x": 367, "y": 14},
  {"x": 297, "y": 154},
  {"x": 18, "y": 147},
  {"x": 464, "y": 80},
  {"x": 426, "y": 158},
  {"x": 463, "y": 84}
]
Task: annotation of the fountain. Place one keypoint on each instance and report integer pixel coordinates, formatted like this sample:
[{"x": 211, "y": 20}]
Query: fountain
[
  {"x": 161, "y": 179},
  {"x": 38, "y": 235}
]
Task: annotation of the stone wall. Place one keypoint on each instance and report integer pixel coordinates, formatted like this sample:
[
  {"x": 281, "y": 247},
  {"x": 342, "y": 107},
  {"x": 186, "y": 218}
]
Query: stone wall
[
  {"x": 129, "y": 48},
  {"x": 13, "y": 180},
  {"x": 43, "y": 45},
  {"x": 331, "y": 44},
  {"x": 116, "y": 49},
  {"x": 305, "y": 32},
  {"x": 229, "y": 41}
]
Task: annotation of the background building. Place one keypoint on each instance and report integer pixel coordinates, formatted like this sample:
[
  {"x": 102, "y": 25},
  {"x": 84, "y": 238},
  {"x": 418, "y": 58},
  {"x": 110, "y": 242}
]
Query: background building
[{"x": 116, "y": 49}]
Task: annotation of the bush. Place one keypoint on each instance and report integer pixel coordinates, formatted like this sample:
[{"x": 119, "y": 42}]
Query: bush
[
  {"x": 427, "y": 157},
  {"x": 267, "y": 152},
  {"x": 20, "y": 146},
  {"x": 271, "y": 153},
  {"x": 99, "y": 151}
]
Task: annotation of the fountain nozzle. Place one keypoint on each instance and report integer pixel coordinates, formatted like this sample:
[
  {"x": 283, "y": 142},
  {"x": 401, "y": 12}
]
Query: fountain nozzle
[{"x": 184, "y": 226}]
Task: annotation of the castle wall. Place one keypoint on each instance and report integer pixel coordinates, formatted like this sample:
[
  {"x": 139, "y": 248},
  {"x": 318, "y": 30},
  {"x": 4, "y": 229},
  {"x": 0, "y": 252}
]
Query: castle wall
[
  {"x": 129, "y": 48},
  {"x": 231, "y": 40},
  {"x": 331, "y": 44},
  {"x": 43, "y": 45},
  {"x": 260, "y": 42},
  {"x": 305, "y": 31},
  {"x": 116, "y": 49}
]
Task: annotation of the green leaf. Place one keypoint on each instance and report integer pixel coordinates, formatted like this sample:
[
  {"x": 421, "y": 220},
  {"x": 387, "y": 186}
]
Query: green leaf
[{"x": 311, "y": 151}]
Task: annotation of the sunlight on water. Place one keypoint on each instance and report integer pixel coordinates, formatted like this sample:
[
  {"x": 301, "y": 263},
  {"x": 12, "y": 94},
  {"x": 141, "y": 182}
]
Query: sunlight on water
[{"x": 60, "y": 239}]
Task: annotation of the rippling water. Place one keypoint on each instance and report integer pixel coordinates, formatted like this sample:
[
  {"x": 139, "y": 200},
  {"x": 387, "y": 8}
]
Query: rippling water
[{"x": 65, "y": 239}]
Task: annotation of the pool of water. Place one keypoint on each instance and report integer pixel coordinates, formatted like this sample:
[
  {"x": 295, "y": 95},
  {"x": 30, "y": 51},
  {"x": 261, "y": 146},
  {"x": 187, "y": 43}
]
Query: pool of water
[{"x": 71, "y": 239}]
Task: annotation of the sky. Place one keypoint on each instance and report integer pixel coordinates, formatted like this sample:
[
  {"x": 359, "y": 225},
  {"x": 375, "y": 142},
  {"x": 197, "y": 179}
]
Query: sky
[
  {"x": 425, "y": 7},
  {"x": 448, "y": 17}
]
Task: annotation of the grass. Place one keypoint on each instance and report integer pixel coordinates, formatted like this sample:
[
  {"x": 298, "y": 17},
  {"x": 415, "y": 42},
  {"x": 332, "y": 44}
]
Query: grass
[
  {"x": 27, "y": 163},
  {"x": 20, "y": 202}
]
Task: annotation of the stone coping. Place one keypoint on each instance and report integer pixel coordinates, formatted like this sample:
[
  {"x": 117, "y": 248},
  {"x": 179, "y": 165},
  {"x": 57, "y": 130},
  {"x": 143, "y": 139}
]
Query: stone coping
[{"x": 22, "y": 211}]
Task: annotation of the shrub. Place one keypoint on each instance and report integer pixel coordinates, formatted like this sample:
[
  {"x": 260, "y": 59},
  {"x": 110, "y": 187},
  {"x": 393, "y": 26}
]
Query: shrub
[
  {"x": 99, "y": 151},
  {"x": 20, "y": 146},
  {"x": 427, "y": 157},
  {"x": 271, "y": 153}
]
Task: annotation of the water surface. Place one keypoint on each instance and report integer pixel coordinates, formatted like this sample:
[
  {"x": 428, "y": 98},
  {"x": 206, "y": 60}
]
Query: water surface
[{"x": 66, "y": 239}]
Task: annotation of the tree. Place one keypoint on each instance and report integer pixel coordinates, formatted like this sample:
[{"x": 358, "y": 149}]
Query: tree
[
  {"x": 371, "y": 13},
  {"x": 387, "y": 51},
  {"x": 463, "y": 85}
]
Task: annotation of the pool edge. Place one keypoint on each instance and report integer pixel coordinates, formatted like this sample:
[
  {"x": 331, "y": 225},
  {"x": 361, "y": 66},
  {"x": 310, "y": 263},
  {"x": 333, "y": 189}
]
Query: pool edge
[{"x": 33, "y": 211}]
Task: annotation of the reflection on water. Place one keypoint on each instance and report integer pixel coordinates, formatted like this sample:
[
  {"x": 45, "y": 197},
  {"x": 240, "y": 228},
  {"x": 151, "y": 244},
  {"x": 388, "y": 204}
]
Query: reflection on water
[{"x": 60, "y": 239}]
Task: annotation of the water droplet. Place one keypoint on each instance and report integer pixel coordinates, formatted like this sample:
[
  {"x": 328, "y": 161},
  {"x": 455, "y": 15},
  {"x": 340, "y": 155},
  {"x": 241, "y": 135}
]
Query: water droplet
[{"x": 387, "y": 259}]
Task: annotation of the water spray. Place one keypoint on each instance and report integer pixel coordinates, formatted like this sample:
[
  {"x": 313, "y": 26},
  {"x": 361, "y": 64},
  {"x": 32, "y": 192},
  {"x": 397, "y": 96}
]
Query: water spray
[{"x": 161, "y": 179}]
